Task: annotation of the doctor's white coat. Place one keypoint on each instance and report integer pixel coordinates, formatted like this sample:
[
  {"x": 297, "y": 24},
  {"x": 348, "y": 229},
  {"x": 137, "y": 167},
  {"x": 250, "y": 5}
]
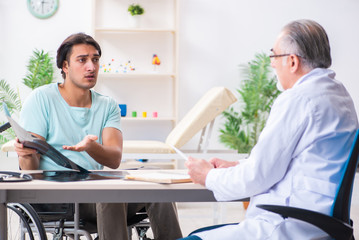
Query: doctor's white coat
[{"x": 298, "y": 161}]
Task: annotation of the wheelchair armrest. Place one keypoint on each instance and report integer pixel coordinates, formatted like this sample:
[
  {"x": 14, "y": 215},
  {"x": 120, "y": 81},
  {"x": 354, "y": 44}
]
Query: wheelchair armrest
[
  {"x": 333, "y": 226},
  {"x": 140, "y": 215}
]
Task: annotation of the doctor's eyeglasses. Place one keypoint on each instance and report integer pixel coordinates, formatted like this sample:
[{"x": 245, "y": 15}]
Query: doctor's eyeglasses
[
  {"x": 271, "y": 56},
  {"x": 277, "y": 55}
]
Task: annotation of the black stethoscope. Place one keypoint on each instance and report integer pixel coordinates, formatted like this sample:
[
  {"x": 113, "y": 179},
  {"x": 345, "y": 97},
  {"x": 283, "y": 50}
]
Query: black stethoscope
[{"x": 7, "y": 176}]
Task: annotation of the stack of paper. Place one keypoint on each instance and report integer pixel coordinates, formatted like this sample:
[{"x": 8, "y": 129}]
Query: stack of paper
[{"x": 160, "y": 177}]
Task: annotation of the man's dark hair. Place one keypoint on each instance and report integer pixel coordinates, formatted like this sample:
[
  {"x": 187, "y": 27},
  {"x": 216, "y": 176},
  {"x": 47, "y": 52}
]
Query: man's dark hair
[{"x": 65, "y": 50}]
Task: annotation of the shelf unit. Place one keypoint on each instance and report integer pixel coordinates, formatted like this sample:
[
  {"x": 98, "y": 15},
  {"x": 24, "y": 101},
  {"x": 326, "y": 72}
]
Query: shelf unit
[
  {"x": 124, "y": 30},
  {"x": 146, "y": 88}
]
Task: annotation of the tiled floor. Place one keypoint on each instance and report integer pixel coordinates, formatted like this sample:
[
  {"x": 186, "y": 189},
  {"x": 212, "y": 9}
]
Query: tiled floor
[{"x": 196, "y": 215}]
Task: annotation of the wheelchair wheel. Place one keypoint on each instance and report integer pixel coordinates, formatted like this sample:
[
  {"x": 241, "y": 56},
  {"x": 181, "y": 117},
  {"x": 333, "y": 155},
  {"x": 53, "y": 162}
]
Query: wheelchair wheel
[{"x": 24, "y": 223}]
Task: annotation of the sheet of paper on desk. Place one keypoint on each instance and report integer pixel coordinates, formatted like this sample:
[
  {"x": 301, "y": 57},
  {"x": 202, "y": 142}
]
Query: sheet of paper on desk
[{"x": 160, "y": 177}]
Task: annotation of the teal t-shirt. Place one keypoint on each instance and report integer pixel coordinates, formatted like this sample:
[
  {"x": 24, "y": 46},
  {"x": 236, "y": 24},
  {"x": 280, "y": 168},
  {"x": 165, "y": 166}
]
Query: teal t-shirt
[{"x": 47, "y": 114}]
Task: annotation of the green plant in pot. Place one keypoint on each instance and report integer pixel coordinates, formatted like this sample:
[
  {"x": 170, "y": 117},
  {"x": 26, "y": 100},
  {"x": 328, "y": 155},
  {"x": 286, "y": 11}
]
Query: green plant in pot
[
  {"x": 246, "y": 119},
  {"x": 40, "y": 71},
  {"x": 135, "y": 11}
]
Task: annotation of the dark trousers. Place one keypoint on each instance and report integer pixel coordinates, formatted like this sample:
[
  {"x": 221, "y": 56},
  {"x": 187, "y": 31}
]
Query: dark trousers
[{"x": 112, "y": 220}]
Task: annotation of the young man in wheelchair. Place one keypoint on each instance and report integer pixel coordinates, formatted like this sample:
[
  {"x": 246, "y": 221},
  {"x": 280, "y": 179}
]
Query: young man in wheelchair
[{"x": 85, "y": 127}]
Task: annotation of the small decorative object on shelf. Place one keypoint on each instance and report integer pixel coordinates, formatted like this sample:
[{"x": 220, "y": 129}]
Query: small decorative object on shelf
[
  {"x": 123, "y": 108},
  {"x": 144, "y": 114},
  {"x": 114, "y": 66},
  {"x": 135, "y": 11},
  {"x": 155, "y": 62},
  {"x": 135, "y": 82}
]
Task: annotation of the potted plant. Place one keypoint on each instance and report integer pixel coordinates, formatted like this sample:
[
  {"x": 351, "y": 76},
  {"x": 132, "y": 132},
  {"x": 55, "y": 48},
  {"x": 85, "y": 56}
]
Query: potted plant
[
  {"x": 135, "y": 11},
  {"x": 40, "y": 71},
  {"x": 246, "y": 119}
]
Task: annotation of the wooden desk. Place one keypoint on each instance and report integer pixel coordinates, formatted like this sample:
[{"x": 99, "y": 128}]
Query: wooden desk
[{"x": 93, "y": 191}]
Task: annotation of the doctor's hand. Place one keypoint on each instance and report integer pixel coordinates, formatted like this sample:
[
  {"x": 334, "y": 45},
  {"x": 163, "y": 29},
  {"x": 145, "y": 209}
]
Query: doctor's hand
[
  {"x": 220, "y": 163},
  {"x": 83, "y": 145},
  {"x": 198, "y": 169}
]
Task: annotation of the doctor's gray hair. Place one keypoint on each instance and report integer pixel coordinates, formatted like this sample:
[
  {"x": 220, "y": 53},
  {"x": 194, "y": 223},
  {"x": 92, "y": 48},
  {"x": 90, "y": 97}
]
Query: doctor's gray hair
[{"x": 308, "y": 40}]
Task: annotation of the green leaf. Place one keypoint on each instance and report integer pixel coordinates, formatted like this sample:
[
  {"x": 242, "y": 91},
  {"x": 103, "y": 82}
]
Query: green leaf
[
  {"x": 40, "y": 70},
  {"x": 135, "y": 9},
  {"x": 10, "y": 97},
  {"x": 7, "y": 135}
]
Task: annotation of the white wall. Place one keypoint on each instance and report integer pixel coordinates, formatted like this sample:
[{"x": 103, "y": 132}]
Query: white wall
[
  {"x": 21, "y": 33},
  {"x": 215, "y": 37}
]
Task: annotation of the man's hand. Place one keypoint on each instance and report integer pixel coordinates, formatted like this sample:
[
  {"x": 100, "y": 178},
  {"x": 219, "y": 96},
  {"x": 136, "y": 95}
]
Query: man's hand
[
  {"x": 22, "y": 151},
  {"x": 83, "y": 145},
  {"x": 28, "y": 157},
  {"x": 220, "y": 163},
  {"x": 198, "y": 169}
]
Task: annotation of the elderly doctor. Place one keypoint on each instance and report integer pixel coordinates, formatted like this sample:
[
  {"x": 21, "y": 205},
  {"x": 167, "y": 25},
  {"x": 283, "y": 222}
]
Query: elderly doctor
[{"x": 300, "y": 152}]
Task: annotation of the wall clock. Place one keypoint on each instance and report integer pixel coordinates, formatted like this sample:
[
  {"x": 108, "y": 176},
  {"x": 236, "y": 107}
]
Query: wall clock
[{"x": 43, "y": 8}]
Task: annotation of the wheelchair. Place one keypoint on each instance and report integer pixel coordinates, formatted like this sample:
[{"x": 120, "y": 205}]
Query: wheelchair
[
  {"x": 56, "y": 221},
  {"x": 24, "y": 223}
]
